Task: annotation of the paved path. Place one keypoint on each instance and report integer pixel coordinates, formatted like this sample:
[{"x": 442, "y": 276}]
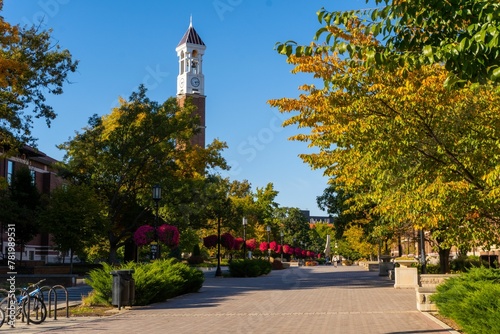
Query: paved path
[{"x": 323, "y": 299}]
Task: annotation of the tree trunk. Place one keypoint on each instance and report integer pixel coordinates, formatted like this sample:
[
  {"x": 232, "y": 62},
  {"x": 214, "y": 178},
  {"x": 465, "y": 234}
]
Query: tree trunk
[
  {"x": 113, "y": 249},
  {"x": 113, "y": 256},
  {"x": 71, "y": 261},
  {"x": 444, "y": 260},
  {"x": 130, "y": 251},
  {"x": 400, "y": 246}
]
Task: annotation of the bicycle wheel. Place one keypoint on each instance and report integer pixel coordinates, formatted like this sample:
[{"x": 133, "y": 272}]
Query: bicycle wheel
[
  {"x": 37, "y": 310},
  {"x": 4, "y": 307},
  {"x": 2, "y": 317}
]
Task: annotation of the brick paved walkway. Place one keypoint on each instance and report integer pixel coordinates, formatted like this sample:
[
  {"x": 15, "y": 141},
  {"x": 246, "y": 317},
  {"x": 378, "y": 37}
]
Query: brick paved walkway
[{"x": 323, "y": 299}]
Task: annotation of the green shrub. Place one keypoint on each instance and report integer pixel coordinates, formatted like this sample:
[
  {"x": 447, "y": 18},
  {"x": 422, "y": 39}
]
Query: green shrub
[
  {"x": 472, "y": 300},
  {"x": 249, "y": 267},
  {"x": 430, "y": 268},
  {"x": 101, "y": 282},
  {"x": 196, "y": 250},
  {"x": 465, "y": 263},
  {"x": 154, "y": 282}
]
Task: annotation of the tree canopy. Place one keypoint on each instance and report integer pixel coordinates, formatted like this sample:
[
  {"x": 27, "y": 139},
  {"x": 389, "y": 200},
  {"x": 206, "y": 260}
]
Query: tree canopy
[
  {"x": 462, "y": 35},
  {"x": 397, "y": 141},
  {"x": 31, "y": 66},
  {"x": 123, "y": 154}
]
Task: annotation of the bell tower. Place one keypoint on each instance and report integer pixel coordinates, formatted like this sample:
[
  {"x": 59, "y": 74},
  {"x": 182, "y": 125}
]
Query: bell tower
[{"x": 190, "y": 80}]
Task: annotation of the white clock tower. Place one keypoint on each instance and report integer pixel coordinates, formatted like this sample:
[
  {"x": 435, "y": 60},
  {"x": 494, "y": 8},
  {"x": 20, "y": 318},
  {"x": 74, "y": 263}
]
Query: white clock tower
[{"x": 191, "y": 81}]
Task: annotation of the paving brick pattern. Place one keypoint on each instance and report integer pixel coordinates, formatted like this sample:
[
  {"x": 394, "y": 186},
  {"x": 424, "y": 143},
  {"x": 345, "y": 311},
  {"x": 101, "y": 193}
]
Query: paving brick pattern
[{"x": 322, "y": 299}]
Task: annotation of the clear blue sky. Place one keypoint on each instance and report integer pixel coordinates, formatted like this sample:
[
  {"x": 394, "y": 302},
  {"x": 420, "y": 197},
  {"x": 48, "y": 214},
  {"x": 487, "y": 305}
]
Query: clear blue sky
[{"x": 122, "y": 44}]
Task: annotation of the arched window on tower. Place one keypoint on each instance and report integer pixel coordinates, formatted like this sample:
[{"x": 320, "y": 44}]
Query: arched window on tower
[
  {"x": 182, "y": 62},
  {"x": 194, "y": 62}
]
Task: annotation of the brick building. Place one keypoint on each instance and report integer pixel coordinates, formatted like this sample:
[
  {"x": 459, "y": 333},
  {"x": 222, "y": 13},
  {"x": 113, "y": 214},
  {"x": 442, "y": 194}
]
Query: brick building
[{"x": 46, "y": 180}]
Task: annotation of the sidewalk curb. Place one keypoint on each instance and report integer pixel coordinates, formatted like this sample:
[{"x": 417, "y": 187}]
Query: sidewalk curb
[{"x": 439, "y": 322}]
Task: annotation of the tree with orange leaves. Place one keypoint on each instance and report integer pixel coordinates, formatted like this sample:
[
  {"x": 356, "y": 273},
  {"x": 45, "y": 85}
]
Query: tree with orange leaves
[{"x": 406, "y": 148}]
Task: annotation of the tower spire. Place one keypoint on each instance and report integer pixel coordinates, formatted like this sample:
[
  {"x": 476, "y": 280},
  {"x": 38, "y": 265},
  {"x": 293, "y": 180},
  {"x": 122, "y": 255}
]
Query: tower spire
[{"x": 191, "y": 21}]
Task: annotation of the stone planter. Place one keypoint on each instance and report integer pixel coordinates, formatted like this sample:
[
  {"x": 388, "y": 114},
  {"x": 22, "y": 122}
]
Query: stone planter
[
  {"x": 405, "y": 278},
  {"x": 405, "y": 263},
  {"x": 384, "y": 268}
]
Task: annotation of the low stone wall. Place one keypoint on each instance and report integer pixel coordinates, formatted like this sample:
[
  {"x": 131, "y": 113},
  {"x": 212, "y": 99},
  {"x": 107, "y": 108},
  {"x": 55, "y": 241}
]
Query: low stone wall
[
  {"x": 51, "y": 270},
  {"x": 38, "y": 270},
  {"x": 427, "y": 287},
  {"x": 50, "y": 280},
  {"x": 370, "y": 265}
]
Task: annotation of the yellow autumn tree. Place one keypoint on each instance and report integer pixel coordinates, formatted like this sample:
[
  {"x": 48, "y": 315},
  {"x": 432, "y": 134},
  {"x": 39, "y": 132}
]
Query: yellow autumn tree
[{"x": 400, "y": 143}]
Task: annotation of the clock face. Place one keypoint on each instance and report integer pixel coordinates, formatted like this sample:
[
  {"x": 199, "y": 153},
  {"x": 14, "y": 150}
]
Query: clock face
[
  {"x": 195, "y": 82},
  {"x": 181, "y": 82}
]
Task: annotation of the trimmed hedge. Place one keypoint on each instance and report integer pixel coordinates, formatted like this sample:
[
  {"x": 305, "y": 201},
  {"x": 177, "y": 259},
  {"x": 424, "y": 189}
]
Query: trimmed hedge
[
  {"x": 154, "y": 282},
  {"x": 249, "y": 267},
  {"x": 472, "y": 300}
]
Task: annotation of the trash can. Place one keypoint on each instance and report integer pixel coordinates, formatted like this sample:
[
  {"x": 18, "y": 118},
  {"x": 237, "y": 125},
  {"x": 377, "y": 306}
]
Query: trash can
[{"x": 123, "y": 289}]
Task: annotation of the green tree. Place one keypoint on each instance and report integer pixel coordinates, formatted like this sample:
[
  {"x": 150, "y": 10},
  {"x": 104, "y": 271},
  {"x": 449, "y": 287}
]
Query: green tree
[
  {"x": 141, "y": 143},
  {"x": 462, "y": 35},
  {"x": 294, "y": 225},
  {"x": 73, "y": 217},
  {"x": 334, "y": 200},
  {"x": 31, "y": 66},
  {"x": 26, "y": 202}
]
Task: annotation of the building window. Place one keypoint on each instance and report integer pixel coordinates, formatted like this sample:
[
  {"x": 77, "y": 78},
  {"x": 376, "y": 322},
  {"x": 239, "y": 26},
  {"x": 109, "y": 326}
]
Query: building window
[
  {"x": 10, "y": 171},
  {"x": 33, "y": 177}
]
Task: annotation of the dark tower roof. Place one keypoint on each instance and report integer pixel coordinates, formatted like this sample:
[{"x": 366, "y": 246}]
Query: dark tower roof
[{"x": 191, "y": 37}]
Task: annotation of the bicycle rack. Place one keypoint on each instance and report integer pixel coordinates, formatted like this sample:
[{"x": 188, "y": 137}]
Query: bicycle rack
[
  {"x": 53, "y": 290},
  {"x": 7, "y": 294}
]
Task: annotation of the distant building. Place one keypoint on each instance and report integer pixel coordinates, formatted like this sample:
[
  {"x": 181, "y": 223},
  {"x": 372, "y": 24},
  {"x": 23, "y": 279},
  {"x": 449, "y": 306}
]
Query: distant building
[{"x": 317, "y": 219}]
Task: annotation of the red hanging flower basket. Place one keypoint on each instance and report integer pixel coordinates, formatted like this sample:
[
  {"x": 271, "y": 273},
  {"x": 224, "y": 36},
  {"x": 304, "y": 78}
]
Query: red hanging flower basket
[
  {"x": 238, "y": 242},
  {"x": 144, "y": 235},
  {"x": 227, "y": 240},
  {"x": 210, "y": 241},
  {"x": 167, "y": 234},
  {"x": 251, "y": 244},
  {"x": 264, "y": 246}
]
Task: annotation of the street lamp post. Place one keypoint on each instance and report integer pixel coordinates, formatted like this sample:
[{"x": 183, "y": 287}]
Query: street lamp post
[
  {"x": 422, "y": 252},
  {"x": 155, "y": 251},
  {"x": 281, "y": 235},
  {"x": 268, "y": 229},
  {"x": 245, "y": 237},
  {"x": 218, "y": 272}
]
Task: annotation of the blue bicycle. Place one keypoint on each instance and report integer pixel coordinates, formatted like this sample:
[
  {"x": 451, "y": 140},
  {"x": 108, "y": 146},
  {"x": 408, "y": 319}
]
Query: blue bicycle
[{"x": 28, "y": 304}]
